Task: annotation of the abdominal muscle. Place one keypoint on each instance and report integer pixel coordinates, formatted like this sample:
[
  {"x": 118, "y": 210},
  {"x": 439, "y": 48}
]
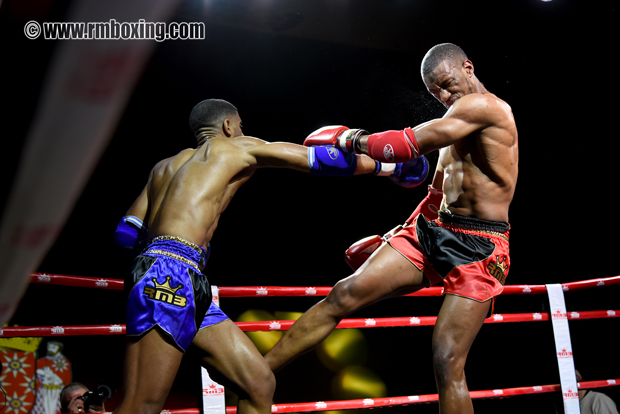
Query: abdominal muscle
[{"x": 469, "y": 192}]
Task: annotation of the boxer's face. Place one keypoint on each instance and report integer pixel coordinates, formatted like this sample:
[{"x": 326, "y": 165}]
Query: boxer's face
[{"x": 449, "y": 82}]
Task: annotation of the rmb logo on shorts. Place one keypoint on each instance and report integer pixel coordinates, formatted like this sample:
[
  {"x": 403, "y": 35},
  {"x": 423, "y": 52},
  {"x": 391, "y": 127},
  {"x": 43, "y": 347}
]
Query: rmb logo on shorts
[
  {"x": 498, "y": 269},
  {"x": 165, "y": 293}
]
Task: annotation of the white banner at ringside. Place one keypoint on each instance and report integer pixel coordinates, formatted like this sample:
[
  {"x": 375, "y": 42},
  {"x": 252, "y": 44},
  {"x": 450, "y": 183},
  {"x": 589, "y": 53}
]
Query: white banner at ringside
[
  {"x": 213, "y": 401},
  {"x": 86, "y": 88},
  {"x": 564, "y": 349}
]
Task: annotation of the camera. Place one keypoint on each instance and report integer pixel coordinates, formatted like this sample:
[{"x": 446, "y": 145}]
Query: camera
[{"x": 98, "y": 397}]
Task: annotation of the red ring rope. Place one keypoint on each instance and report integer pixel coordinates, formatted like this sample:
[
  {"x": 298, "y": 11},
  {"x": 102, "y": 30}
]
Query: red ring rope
[
  {"x": 270, "y": 291},
  {"x": 116, "y": 284},
  {"x": 119, "y": 329},
  {"x": 408, "y": 400},
  {"x": 420, "y": 399},
  {"x": 76, "y": 281}
]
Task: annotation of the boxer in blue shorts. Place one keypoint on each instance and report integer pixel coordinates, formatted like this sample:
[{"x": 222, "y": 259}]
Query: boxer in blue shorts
[
  {"x": 170, "y": 291},
  {"x": 172, "y": 222}
]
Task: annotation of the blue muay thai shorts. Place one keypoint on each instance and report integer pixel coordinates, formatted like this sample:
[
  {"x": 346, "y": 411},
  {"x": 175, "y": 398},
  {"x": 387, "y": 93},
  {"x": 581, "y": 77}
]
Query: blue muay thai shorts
[{"x": 170, "y": 291}]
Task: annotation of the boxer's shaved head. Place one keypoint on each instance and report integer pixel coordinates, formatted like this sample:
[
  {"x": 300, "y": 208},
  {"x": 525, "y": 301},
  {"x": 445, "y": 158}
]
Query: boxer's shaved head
[
  {"x": 210, "y": 113},
  {"x": 439, "y": 53}
]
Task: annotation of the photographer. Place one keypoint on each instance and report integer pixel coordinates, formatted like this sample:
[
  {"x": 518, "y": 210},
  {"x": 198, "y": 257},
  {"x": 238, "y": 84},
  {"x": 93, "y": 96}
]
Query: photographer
[{"x": 72, "y": 399}]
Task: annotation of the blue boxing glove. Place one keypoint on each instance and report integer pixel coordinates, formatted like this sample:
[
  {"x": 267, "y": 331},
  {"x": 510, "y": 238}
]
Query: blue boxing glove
[
  {"x": 330, "y": 161},
  {"x": 412, "y": 173},
  {"x": 131, "y": 235}
]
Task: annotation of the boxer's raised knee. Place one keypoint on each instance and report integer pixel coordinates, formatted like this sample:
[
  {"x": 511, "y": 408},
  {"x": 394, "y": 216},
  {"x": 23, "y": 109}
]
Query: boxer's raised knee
[{"x": 341, "y": 300}]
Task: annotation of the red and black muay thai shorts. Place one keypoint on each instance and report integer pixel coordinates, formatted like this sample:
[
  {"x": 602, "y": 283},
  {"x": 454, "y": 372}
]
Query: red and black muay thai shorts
[{"x": 469, "y": 255}]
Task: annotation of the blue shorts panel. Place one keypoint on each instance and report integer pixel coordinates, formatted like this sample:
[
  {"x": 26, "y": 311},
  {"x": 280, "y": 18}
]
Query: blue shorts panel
[
  {"x": 169, "y": 293},
  {"x": 213, "y": 317}
]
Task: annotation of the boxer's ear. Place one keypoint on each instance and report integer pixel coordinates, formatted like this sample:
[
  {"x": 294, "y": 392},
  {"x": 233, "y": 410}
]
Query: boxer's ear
[
  {"x": 227, "y": 128},
  {"x": 468, "y": 67}
]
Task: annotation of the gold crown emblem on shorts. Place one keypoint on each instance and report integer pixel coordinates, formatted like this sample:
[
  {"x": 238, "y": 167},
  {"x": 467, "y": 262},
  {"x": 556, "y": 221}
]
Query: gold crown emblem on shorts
[
  {"x": 501, "y": 264},
  {"x": 166, "y": 285},
  {"x": 498, "y": 269}
]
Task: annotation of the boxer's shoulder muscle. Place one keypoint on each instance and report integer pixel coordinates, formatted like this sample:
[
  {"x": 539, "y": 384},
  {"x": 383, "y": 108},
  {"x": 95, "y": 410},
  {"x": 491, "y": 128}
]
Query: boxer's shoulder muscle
[
  {"x": 251, "y": 148},
  {"x": 492, "y": 115},
  {"x": 247, "y": 143},
  {"x": 215, "y": 155},
  {"x": 232, "y": 149},
  {"x": 485, "y": 109},
  {"x": 169, "y": 166},
  {"x": 163, "y": 172},
  {"x": 222, "y": 160}
]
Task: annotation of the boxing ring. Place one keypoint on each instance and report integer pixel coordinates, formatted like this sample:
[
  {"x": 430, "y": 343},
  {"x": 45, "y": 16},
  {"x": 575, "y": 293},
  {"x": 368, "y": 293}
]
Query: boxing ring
[{"x": 558, "y": 316}]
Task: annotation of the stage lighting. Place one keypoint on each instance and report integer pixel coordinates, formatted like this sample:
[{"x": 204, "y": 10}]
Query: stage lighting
[
  {"x": 343, "y": 347},
  {"x": 264, "y": 341},
  {"x": 355, "y": 382}
]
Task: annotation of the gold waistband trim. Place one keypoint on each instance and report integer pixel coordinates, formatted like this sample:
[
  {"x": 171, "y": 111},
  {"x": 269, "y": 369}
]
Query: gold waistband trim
[
  {"x": 175, "y": 256},
  {"x": 180, "y": 240}
]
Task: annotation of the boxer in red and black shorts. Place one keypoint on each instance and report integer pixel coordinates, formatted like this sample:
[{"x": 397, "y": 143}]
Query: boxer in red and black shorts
[
  {"x": 457, "y": 236},
  {"x": 471, "y": 256}
]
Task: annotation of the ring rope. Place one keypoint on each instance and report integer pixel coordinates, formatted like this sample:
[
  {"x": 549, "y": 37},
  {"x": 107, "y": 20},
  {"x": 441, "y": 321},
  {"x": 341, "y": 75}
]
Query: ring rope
[
  {"x": 76, "y": 281},
  {"x": 409, "y": 400},
  {"x": 116, "y": 284},
  {"x": 283, "y": 325},
  {"x": 270, "y": 291},
  {"x": 419, "y": 399}
]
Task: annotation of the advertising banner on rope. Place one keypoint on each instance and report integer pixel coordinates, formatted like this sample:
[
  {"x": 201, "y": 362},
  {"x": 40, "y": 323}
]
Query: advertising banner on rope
[
  {"x": 564, "y": 349},
  {"x": 213, "y": 401}
]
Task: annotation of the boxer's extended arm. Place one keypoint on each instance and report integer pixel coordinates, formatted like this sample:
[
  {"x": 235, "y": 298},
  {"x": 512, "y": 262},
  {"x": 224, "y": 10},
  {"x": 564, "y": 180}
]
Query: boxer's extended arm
[
  {"x": 294, "y": 156},
  {"x": 332, "y": 151},
  {"x": 469, "y": 114}
]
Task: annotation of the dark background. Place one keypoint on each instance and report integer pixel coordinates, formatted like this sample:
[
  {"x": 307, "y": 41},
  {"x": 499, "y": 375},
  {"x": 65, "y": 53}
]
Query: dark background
[{"x": 293, "y": 66}]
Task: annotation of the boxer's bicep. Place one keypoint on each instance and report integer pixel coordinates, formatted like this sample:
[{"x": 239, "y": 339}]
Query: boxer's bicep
[
  {"x": 450, "y": 129},
  {"x": 465, "y": 117},
  {"x": 440, "y": 133},
  {"x": 281, "y": 155}
]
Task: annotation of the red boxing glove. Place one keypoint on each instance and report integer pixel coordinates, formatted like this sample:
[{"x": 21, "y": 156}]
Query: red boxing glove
[
  {"x": 339, "y": 136},
  {"x": 429, "y": 206},
  {"x": 360, "y": 251},
  {"x": 393, "y": 146}
]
